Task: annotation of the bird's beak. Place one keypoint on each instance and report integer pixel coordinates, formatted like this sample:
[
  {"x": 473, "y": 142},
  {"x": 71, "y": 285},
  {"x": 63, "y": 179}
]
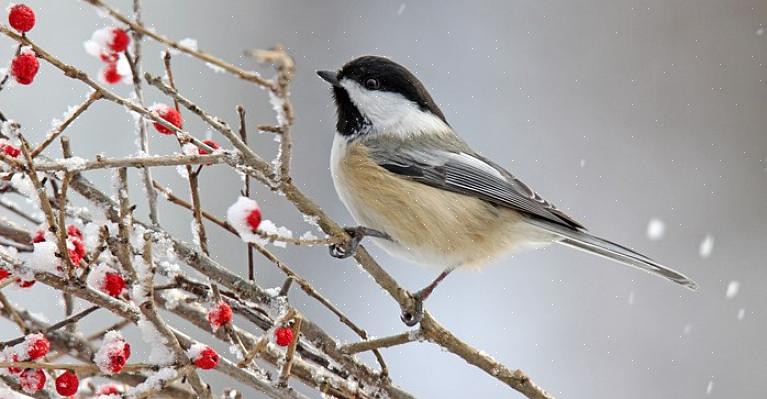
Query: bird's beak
[{"x": 330, "y": 77}]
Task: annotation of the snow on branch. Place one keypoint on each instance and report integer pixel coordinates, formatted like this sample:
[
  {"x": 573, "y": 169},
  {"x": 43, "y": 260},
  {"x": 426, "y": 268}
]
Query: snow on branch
[{"x": 108, "y": 260}]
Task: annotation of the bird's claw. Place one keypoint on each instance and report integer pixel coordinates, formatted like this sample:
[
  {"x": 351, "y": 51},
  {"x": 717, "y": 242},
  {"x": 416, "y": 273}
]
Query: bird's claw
[
  {"x": 413, "y": 314},
  {"x": 349, "y": 248}
]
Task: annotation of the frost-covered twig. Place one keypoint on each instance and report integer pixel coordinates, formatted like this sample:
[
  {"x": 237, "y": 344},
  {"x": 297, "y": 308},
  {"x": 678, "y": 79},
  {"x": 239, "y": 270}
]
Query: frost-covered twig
[
  {"x": 242, "y": 74},
  {"x": 378, "y": 343},
  {"x": 71, "y": 116}
]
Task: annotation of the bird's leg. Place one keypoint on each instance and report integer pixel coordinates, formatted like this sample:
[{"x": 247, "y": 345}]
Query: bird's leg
[
  {"x": 349, "y": 248},
  {"x": 414, "y": 316}
]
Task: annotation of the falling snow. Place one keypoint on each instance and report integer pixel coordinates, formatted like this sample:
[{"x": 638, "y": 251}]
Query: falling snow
[
  {"x": 706, "y": 246},
  {"x": 732, "y": 289},
  {"x": 655, "y": 229}
]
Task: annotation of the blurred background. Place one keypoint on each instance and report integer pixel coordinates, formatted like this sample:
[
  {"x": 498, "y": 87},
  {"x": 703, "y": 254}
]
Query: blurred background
[{"x": 645, "y": 120}]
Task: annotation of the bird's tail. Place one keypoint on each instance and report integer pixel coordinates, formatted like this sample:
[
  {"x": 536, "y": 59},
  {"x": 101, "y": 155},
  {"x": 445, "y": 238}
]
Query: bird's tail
[{"x": 586, "y": 242}]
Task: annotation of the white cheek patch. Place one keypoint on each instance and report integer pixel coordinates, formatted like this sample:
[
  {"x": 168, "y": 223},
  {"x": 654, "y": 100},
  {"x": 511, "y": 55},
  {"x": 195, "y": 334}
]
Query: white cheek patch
[{"x": 391, "y": 113}]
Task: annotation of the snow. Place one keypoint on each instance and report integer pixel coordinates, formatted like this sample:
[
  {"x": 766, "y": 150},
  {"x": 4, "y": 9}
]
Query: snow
[
  {"x": 709, "y": 387},
  {"x": 195, "y": 350},
  {"x": 7, "y": 393},
  {"x": 73, "y": 164},
  {"x": 186, "y": 42},
  {"x": 401, "y": 9},
  {"x": 159, "y": 352},
  {"x": 91, "y": 236},
  {"x": 154, "y": 382},
  {"x": 732, "y": 289},
  {"x": 23, "y": 184},
  {"x": 237, "y": 215},
  {"x": 741, "y": 313},
  {"x": 43, "y": 258},
  {"x": 99, "y": 42},
  {"x": 631, "y": 298},
  {"x": 189, "y": 149},
  {"x": 215, "y": 68},
  {"x": 278, "y": 105},
  {"x": 308, "y": 236},
  {"x": 97, "y": 276},
  {"x": 706, "y": 246},
  {"x": 269, "y": 228},
  {"x": 655, "y": 229},
  {"x": 113, "y": 343}
]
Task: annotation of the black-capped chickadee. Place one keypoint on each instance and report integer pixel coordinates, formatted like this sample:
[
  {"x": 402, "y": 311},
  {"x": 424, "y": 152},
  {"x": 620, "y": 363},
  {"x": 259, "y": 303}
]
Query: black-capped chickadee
[{"x": 424, "y": 195}]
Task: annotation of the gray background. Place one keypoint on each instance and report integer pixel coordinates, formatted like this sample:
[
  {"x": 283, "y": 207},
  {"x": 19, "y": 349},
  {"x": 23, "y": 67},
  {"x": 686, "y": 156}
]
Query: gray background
[{"x": 617, "y": 111}]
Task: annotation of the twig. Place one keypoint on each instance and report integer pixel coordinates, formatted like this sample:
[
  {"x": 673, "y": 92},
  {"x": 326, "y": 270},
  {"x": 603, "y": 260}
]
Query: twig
[
  {"x": 246, "y": 187},
  {"x": 53, "y": 327},
  {"x": 137, "y": 162},
  {"x": 242, "y": 74},
  {"x": 55, "y": 132},
  {"x": 378, "y": 343}
]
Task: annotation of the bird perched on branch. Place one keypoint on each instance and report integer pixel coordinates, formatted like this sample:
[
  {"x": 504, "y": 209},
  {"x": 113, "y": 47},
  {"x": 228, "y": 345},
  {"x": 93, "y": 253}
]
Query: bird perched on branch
[{"x": 416, "y": 188}]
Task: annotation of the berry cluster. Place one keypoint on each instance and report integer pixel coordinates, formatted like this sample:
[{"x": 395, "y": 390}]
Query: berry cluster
[
  {"x": 34, "y": 347},
  {"x": 108, "y": 45},
  {"x": 113, "y": 354},
  {"x": 24, "y": 65}
]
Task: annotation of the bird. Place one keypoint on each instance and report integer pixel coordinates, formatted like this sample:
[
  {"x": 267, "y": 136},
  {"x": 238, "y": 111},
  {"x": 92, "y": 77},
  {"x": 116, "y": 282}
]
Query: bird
[{"x": 421, "y": 193}]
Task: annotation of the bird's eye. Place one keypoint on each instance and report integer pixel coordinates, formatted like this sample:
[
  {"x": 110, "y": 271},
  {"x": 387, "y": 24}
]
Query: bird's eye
[{"x": 371, "y": 84}]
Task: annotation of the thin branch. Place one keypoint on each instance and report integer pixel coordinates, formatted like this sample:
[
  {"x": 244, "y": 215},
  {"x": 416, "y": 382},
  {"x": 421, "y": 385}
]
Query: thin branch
[
  {"x": 55, "y": 132},
  {"x": 378, "y": 343},
  {"x": 53, "y": 327},
  {"x": 242, "y": 74}
]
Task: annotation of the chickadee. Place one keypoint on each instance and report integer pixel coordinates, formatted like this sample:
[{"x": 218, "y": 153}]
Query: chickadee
[{"x": 424, "y": 195}]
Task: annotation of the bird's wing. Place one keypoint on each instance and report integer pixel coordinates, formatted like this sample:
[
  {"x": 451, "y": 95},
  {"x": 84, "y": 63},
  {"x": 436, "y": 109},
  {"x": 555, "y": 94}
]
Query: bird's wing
[{"x": 470, "y": 174}]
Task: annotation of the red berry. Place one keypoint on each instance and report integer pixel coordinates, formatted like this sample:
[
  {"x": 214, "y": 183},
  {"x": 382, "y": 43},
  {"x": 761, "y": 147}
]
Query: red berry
[
  {"x": 113, "y": 285},
  {"x": 32, "y": 380},
  {"x": 21, "y": 18},
  {"x": 67, "y": 383},
  {"x": 37, "y": 346},
  {"x": 108, "y": 389},
  {"x": 254, "y": 219},
  {"x": 14, "y": 370},
  {"x": 210, "y": 143},
  {"x": 283, "y": 336},
  {"x": 38, "y": 237},
  {"x": 24, "y": 68},
  {"x": 206, "y": 359},
  {"x": 10, "y": 150},
  {"x": 74, "y": 231},
  {"x": 220, "y": 315},
  {"x": 4, "y": 273},
  {"x": 109, "y": 58},
  {"x": 120, "y": 40},
  {"x": 170, "y": 115},
  {"x": 110, "y": 75},
  {"x": 117, "y": 361},
  {"x": 25, "y": 283}
]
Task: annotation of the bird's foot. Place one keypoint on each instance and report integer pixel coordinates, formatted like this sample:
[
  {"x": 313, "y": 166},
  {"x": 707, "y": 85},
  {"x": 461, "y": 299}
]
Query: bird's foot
[
  {"x": 413, "y": 314},
  {"x": 349, "y": 247}
]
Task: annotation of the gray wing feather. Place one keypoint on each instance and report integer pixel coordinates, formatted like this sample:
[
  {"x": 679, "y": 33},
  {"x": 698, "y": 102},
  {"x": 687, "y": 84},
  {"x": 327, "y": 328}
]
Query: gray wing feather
[{"x": 470, "y": 174}]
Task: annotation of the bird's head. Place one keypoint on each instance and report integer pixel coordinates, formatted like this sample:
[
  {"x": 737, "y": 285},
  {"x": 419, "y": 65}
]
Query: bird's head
[{"x": 377, "y": 95}]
